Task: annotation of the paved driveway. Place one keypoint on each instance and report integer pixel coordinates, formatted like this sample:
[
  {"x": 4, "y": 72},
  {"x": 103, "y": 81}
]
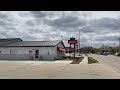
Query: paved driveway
[
  {"x": 110, "y": 60},
  {"x": 55, "y": 70}
]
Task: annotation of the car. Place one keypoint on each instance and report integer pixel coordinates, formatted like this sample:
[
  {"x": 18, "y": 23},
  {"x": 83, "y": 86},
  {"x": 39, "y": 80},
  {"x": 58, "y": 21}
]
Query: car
[
  {"x": 117, "y": 54},
  {"x": 105, "y": 53}
]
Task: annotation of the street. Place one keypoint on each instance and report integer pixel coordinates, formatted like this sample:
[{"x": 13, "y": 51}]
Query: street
[{"x": 110, "y": 60}]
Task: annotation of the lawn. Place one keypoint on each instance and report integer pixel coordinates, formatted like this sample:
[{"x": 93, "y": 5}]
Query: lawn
[{"x": 91, "y": 60}]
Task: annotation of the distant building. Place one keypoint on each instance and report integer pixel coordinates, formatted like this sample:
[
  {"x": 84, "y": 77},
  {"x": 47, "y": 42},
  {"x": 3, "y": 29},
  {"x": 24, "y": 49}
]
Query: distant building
[{"x": 17, "y": 49}]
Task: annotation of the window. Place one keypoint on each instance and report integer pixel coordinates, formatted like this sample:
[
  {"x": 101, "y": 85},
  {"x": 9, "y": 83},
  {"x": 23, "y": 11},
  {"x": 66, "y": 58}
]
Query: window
[{"x": 0, "y": 52}]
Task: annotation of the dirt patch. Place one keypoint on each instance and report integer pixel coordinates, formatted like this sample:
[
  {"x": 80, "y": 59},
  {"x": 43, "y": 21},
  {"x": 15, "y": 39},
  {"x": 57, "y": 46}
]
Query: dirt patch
[{"x": 77, "y": 60}]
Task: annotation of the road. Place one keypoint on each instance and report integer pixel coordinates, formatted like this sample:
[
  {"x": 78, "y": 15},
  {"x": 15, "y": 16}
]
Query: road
[{"x": 110, "y": 60}]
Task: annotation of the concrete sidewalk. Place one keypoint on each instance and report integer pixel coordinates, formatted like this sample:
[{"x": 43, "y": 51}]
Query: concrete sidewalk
[
  {"x": 85, "y": 60},
  {"x": 56, "y": 70}
]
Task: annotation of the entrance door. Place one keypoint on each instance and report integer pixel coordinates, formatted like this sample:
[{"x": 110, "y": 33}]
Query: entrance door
[{"x": 36, "y": 54}]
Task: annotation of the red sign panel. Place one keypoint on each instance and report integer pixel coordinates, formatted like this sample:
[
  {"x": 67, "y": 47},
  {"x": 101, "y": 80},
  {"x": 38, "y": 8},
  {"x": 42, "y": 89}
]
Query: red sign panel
[
  {"x": 72, "y": 41},
  {"x": 30, "y": 52},
  {"x": 76, "y": 44}
]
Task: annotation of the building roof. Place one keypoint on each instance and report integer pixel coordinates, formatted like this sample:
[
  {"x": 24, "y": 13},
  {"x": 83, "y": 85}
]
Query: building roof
[
  {"x": 32, "y": 44},
  {"x": 5, "y": 41}
]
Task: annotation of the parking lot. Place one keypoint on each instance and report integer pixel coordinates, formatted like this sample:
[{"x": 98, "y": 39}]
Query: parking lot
[
  {"x": 109, "y": 60},
  {"x": 55, "y": 70}
]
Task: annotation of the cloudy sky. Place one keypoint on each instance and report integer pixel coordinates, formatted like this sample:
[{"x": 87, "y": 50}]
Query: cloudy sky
[{"x": 104, "y": 26}]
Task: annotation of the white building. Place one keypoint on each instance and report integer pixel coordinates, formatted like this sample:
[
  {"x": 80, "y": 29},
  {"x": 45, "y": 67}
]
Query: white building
[{"x": 17, "y": 49}]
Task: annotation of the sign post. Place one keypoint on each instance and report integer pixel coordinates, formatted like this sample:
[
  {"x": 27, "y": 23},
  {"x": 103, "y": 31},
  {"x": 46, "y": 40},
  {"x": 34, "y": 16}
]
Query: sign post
[{"x": 72, "y": 41}]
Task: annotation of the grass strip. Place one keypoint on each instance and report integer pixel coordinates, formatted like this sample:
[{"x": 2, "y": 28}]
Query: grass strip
[{"x": 91, "y": 60}]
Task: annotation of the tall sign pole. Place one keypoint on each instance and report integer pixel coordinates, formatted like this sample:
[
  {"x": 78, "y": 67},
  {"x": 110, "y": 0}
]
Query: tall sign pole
[
  {"x": 72, "y": 41},
  {"x": 114, "y": 48},
  {"x": 119, "y": 44},
  {"x": 79, "y": 43}
]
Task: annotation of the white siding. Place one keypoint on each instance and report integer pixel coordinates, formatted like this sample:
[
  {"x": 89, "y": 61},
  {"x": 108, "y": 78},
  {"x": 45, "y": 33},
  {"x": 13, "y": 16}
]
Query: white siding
[
  {"x": 59, "y": 45},
  {"x": 25, "y": 50},
  {"x": 5, "y": 50}
]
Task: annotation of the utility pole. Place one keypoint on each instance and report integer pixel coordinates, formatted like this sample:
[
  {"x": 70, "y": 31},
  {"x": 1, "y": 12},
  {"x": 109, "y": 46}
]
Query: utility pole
[
  {"x": 79, "y": 37},
  {"x": 114, "y": 48},
  {"x": 103, "y": 47},
  {"x": 119, "y": 44},
  {"x": 79, "y": 42}
]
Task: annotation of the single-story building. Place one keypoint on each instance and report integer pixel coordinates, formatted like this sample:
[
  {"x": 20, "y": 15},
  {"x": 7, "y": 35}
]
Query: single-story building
[{"x": 17, "y": 49}]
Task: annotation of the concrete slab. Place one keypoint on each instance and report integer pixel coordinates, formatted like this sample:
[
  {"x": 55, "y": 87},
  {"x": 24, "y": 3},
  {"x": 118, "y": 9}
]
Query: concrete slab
[
  {"x": 85, "y": 60},
  {"x": 56, "y": 70}
]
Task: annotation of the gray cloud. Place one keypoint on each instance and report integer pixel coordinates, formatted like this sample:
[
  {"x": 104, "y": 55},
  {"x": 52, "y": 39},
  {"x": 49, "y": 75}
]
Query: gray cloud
[
  {"x": 38, "y": 14},
  {"x": 3, "y": 16},
  {"x": 5, "y": 20},
  {"x": 50, "y": 25},
  {"x": 35, "y": 31},
  {"x": 30, "y": 23},
  {"x": 106, "y": 23},
  {"x": 107, "y": 38},
  {"x": 66, "y": 22},
  {"x": 28, "y": 38}
]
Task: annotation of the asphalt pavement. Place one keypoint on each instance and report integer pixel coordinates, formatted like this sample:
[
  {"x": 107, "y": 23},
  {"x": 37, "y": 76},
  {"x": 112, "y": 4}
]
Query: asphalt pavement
[{"x": 109, "y": 60}]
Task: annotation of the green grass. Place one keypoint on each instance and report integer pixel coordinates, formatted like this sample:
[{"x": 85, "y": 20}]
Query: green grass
[{"x": 91, "y": 60}]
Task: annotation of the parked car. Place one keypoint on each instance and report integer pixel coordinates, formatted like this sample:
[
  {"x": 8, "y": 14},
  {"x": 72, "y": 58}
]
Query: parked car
[
  {"x": 117, "y": 54},
  {"x": 105, "y": 53}
]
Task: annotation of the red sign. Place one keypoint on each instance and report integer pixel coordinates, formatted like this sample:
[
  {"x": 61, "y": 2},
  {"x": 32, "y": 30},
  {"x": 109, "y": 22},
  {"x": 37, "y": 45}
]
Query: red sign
[
  {"x": 72, "y": 41},
  {"x": 76, "y": 44},
  {"x": 30, "y": 51},
  {"x": 61, "y": 49}
]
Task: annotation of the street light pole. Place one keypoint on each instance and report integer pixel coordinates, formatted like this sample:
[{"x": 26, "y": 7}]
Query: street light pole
[
  {"x": 79, "y": 42},
  {"x": 114, "y": 47},
  {"x": 79, "y": 37},
  {"x": 119, "y": 44}
]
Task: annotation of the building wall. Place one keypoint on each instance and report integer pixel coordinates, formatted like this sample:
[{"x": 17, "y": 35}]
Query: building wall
[
  {"x": 22, "y": 53},
  {"x": 59, "y": 54},
  {"x": 16, "y": 53},
  {"x": 59, "y": 45},
  {"x": 4, "y": 50},
  {"x": 25, "y": 50}
]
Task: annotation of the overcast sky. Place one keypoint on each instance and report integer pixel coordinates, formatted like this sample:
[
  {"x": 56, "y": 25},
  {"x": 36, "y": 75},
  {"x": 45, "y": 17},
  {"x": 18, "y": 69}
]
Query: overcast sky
[{"x": 104, "y": 26}]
